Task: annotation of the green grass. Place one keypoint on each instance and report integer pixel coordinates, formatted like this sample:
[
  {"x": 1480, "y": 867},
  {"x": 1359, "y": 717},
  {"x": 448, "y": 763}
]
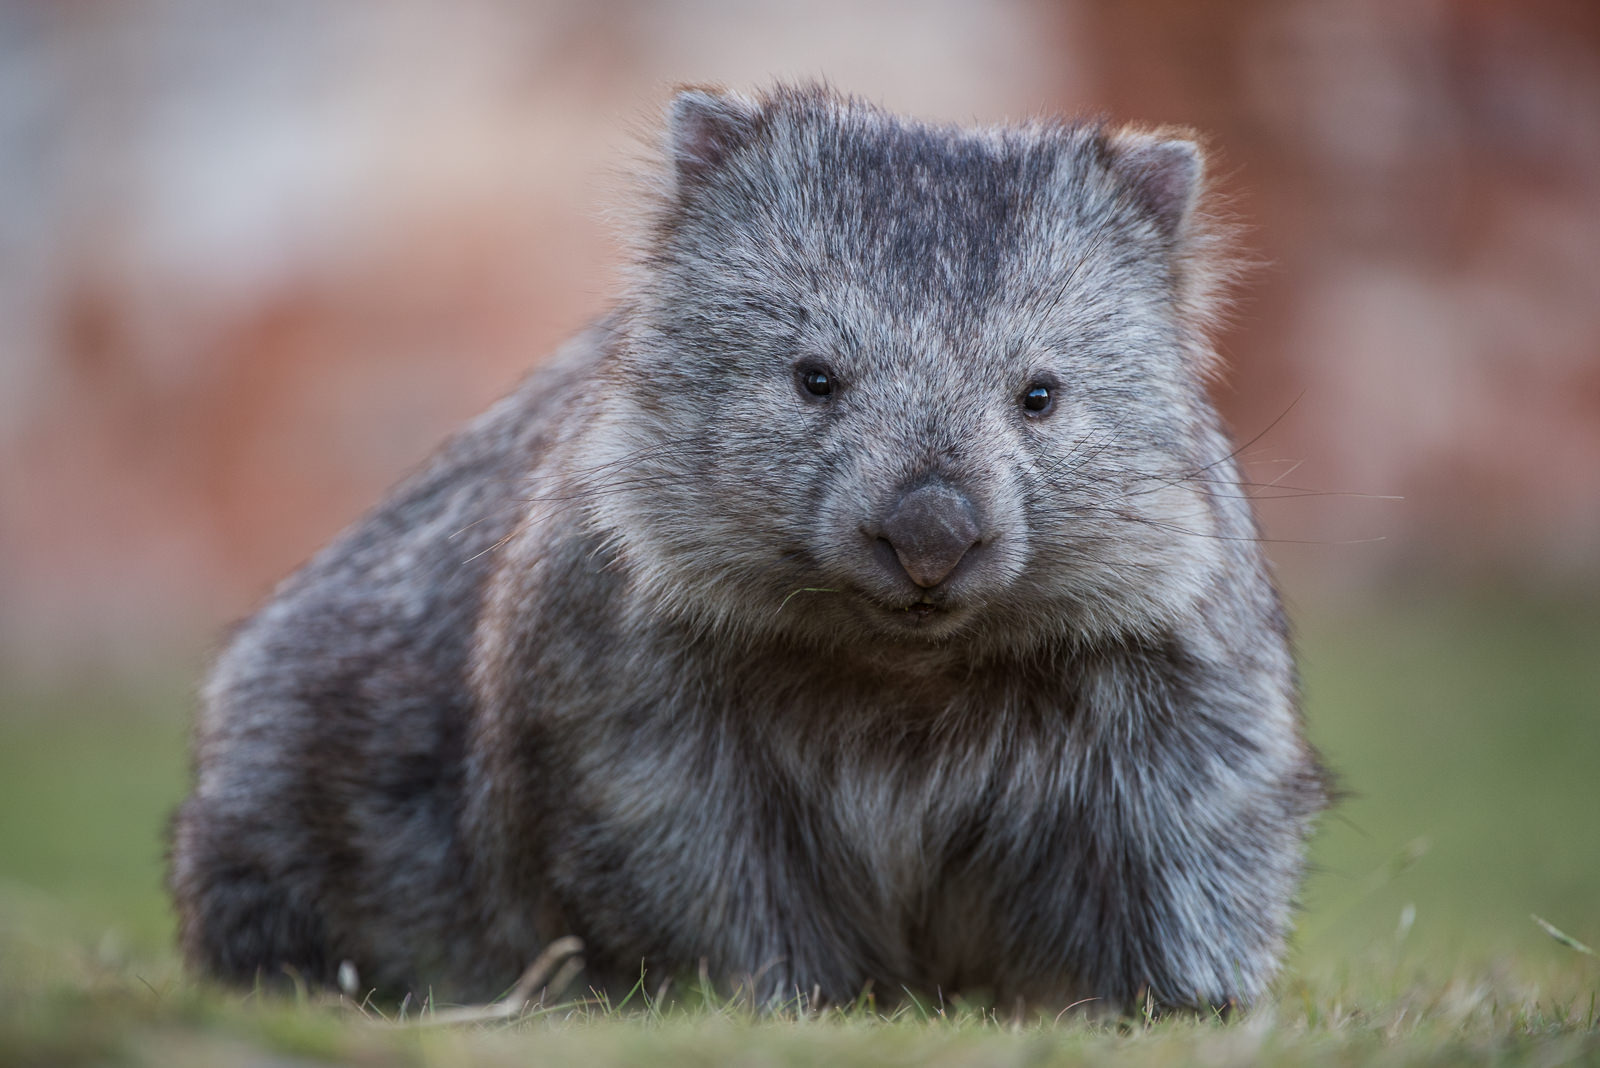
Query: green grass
[
  {"x": 1466, "y": 730},
  {"x": 1468, "y": 734}
]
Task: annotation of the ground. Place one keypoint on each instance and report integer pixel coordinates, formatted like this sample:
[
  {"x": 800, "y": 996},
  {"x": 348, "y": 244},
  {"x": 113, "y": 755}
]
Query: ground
[{"x": 1464, "y": 727}]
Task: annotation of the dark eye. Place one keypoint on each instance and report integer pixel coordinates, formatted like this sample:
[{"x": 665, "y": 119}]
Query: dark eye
[
  {"x": 1036, "y": 400},
  {"x": 817, "y": 381}
]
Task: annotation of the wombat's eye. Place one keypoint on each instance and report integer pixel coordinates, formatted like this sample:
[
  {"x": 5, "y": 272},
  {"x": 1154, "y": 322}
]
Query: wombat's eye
[
  {"x": 815, "y": 379},
  {"x": 1037, "y": 399}
]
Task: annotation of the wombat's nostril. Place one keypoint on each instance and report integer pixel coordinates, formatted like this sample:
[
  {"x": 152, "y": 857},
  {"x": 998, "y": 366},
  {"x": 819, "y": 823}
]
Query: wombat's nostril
[{"x": 930, "y": 529}]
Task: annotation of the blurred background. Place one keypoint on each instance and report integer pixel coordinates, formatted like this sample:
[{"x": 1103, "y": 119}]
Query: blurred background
[{"x": 256, "y": 260}]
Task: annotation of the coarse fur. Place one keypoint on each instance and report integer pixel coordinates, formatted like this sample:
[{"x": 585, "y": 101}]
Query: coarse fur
[{"x": 769, "y": 631}]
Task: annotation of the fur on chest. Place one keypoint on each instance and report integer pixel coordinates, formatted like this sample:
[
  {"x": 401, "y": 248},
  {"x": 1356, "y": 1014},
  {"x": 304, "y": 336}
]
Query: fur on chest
[{"x": 888, "y": 852}]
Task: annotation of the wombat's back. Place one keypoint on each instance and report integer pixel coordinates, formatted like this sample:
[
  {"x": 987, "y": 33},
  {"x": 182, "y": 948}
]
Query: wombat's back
[{"x": 322, "y": 826}]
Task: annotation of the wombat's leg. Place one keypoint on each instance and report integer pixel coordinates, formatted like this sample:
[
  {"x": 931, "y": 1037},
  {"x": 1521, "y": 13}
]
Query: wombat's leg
[{"x": 235, "y": 921}]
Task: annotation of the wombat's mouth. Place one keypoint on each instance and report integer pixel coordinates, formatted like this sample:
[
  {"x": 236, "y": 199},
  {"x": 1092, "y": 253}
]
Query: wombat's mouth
[{"x": 924, "y": 615}]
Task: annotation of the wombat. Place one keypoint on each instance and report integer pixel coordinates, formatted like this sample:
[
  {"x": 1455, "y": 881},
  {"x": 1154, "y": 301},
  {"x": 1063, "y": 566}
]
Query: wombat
[{"x": 869, "y": 600}]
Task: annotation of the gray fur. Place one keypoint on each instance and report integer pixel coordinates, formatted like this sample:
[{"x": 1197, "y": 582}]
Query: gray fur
[{"x": 630, "y": 661}]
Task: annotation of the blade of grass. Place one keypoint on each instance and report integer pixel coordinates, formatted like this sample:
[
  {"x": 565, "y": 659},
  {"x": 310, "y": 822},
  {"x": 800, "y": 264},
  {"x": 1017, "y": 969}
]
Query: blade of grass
[{"x": 1561, "y": 936}]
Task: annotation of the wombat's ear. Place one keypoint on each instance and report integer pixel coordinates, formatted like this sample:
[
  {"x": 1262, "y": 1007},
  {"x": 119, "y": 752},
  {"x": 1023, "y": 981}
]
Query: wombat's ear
[
  {"x": 1162, "y": 173},
  {"x": 704, "y": 127}
]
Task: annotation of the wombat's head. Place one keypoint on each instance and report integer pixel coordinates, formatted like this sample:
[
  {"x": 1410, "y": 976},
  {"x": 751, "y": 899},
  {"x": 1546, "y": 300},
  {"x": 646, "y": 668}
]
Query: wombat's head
[{"x": 881, "y": 381}]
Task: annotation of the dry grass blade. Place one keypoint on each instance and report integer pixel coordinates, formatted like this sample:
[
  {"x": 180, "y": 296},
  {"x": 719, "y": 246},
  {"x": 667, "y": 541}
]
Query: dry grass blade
[{"x": 535, "y": 986}]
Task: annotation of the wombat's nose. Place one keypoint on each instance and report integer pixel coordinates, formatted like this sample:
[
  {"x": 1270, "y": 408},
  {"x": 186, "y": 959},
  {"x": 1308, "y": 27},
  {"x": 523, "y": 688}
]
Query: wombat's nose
[{"x": 930, "y": 529}]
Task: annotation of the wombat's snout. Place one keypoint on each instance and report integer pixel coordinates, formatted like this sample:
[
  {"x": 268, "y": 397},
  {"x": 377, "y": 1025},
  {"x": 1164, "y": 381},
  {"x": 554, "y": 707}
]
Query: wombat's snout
[{"x": 926, "y": 532}]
